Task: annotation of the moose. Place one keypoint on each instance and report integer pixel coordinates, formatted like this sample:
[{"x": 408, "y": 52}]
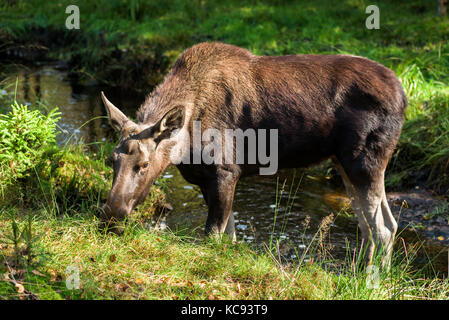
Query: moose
[{"x": 346, "y": 108}]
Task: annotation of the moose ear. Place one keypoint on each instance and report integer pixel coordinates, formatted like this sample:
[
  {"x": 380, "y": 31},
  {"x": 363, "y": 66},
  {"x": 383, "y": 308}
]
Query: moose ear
[
  {"x": 172, "y": 120},
  {"x": 116, "y": 118}
]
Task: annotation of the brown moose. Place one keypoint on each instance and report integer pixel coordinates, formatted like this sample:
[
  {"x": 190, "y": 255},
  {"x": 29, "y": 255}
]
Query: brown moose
[{"x": 343, "y": 107}]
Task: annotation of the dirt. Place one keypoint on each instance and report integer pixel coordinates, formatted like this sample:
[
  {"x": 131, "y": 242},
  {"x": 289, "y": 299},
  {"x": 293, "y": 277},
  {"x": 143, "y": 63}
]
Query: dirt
[{"x": 419, "y": 210}]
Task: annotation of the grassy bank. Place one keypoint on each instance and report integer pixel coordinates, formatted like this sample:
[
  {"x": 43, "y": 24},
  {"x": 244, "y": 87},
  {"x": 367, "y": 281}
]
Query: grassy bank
[
  {"x": 115, "y": 32},
  {"x": 144, "y": 264}
]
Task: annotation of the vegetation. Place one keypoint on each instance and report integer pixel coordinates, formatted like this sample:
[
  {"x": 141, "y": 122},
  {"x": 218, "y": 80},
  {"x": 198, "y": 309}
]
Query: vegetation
[
  {"x": 163, "y": 265},
  {"x": 51, "y": 196},
  {"x": 24, "y": 135},
  {"x": 43, "y": 182}
]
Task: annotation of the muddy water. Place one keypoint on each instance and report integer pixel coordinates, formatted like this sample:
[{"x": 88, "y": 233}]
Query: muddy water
[{"x": 256, "y": 218}]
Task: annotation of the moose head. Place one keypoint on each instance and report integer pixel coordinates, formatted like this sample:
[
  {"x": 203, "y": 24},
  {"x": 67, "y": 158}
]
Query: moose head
[{"x": 142, "y": 154}]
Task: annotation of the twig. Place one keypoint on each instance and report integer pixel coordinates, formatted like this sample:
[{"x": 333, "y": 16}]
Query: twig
[{"x": 13, "y": 280}]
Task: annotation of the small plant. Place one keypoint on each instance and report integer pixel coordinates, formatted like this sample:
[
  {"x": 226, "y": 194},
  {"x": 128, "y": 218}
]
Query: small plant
[
  {"x": 24, "y": 136},
  {"x": 442, "y": 211},
  {"x": 22, "y": 239}
]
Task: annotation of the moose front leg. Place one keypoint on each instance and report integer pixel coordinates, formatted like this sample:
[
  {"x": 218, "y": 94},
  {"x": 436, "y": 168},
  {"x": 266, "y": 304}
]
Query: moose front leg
[
  {"x": 230, "y": 227},
  {"x": 219, "y": 195}
]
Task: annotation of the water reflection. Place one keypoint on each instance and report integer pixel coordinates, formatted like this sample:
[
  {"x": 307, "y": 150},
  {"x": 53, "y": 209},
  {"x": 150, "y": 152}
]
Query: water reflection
[
  {"x": 255, "y": 210},
  {"x": 77, "y": 103}
]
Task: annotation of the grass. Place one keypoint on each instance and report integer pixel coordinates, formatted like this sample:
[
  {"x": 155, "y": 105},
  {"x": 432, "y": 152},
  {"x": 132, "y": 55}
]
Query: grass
[
  {"x": 144, "y": 264},
  {"x": 49, "y": 218},
  {"x": 53, "y": 184}
]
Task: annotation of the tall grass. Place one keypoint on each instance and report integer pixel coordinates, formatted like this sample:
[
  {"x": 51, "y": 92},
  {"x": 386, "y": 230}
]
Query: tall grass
[
  {"x": 120, "y": 41},
  {"x": 350, "y": 277}
]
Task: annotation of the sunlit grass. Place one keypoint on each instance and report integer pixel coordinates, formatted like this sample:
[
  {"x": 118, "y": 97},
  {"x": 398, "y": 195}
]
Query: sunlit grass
[
  {"x": 144, "y": 264},
  {"x": 116, "y": 39}
]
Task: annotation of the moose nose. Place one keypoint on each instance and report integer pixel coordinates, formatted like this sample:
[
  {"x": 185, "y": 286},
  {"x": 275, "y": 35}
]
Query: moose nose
[{"x": 112, "y": 218}]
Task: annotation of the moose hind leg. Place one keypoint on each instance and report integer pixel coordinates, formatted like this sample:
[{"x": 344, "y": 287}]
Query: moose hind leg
[
  {"x": 376, "y": 222},
  {"x": 368, "y": 198},
  {"x": 391, "y": 225},
  {"x": 355, "y": 197}
]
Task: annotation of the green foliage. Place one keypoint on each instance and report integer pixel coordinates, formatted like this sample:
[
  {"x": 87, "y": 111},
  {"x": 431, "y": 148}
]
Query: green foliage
[
  {"x": 63, "y": 180},
  {"x": 68, "y": 180},
  {"x": 121, "y": 40},
  {"x": 422, "y": 154},
  {"x": 24, "y": 136},
  {"x": 22, "y": 237}
]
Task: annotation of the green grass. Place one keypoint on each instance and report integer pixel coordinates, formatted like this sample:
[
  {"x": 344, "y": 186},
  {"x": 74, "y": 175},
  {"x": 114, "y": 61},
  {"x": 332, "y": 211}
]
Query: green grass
[
  {"x": 144, "y": 264},
  {"x": 49, "y": 218}
]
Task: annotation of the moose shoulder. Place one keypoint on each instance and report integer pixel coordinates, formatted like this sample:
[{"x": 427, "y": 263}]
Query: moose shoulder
[{"x": 300, "y": 108}]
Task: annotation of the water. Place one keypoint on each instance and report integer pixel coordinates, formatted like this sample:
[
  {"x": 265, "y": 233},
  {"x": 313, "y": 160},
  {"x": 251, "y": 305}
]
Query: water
[
  {"x": 255, "y": 198},
  {"x": 78, "y": 103}
]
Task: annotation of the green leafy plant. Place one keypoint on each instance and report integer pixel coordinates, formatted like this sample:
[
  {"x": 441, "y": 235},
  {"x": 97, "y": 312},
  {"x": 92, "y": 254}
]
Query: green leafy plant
[{"x": 24, "y": 136}]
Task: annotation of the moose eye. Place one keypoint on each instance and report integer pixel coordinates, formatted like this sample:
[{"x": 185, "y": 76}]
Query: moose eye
[
  {"x": 112, "y": 158},
  {"x": 141, "y": 168}
]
